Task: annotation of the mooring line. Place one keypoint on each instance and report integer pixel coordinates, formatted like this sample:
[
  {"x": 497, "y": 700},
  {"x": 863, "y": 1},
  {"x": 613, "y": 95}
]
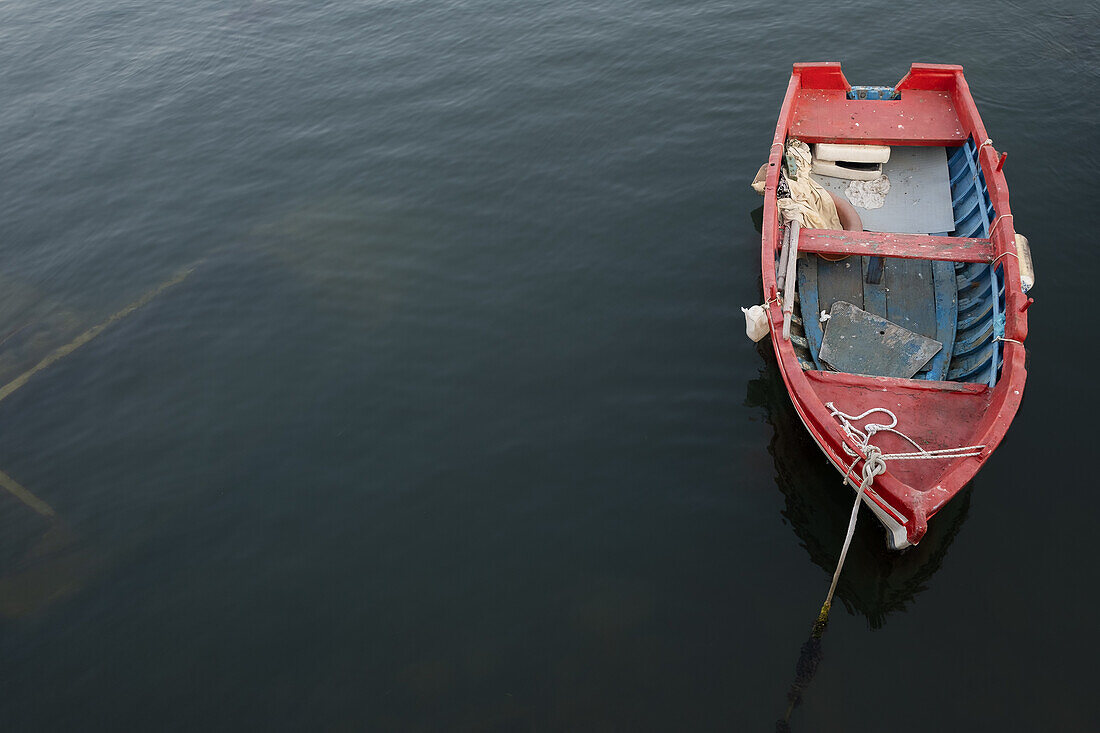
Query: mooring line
[
  {"x": 92, "y": 332},
  {"x": 17, "y": 490}
]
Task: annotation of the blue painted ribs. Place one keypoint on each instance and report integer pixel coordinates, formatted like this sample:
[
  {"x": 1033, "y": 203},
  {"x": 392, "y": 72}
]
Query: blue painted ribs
[{"x": 976, "y": 357}]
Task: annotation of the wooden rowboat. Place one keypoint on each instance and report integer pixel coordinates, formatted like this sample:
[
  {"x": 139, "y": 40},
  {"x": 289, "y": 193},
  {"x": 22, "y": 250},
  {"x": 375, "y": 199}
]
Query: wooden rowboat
[{"x": 957, "y": 286}]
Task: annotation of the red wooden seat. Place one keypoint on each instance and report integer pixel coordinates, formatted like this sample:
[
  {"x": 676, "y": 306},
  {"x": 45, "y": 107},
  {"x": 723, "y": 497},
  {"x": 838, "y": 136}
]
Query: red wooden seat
[
  {"x": 836, "y": 242},
  {"x": 920, "y": 117}
]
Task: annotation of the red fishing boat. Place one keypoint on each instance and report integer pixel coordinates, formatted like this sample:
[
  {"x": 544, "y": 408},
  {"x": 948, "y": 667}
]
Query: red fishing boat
[{"x": 903, "y": 332}]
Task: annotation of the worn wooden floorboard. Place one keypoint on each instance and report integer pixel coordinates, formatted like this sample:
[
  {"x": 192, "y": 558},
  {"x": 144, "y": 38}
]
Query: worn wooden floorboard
[{"x": 917, "y": 295}]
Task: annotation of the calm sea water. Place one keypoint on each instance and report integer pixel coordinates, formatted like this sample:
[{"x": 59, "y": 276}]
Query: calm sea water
[{"x": 452, "y": 425}]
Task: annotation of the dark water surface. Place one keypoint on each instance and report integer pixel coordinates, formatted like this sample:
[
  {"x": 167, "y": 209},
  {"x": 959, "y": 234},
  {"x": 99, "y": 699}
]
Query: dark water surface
[{"x": 453, "y": 425}]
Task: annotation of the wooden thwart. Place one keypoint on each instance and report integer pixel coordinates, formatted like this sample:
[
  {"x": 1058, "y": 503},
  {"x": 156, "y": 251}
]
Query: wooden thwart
[{"x": 835, "y": 242}]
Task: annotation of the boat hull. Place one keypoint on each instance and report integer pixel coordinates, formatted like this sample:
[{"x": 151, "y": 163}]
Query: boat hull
[{"x": 938, "y": 415}]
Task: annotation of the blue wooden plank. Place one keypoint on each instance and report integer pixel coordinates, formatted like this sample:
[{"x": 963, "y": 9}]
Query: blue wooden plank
[
  {"x": 822, "y": 283},
  {"x": 996, "y": 298},
  {"x": 973, "y": 338},
  {"x": 974, "y": 301},
  {"x": 976, "y": 318},
  {"x": 874, "y": 293},
  {"x": 968, "y": 274},
  {"x": 966, "y": 368},
  {"x": 840, "y": 280},
  {"x": 808, "y": 302},
  {"x": 872, "y": 270},
  {"x": 943, "y": 276},
  {"x": 910, "y": 295}
]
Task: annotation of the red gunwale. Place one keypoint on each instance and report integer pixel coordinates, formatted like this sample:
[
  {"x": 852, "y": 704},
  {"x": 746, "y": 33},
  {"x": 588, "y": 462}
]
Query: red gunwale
[{"x": 914, "y": 504}]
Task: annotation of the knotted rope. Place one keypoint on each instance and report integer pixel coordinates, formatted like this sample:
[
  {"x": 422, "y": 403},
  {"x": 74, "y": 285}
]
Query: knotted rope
[
  {"x": 863, "y": 437},
  {"x": 874, "y": 464}
]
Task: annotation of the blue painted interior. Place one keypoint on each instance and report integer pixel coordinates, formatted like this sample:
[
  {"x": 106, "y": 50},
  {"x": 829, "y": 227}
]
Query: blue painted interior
[
  {"x": 976, "y": 356},
  {"x": 967, "y": 327},
  {"x": 915, "y": 294}
]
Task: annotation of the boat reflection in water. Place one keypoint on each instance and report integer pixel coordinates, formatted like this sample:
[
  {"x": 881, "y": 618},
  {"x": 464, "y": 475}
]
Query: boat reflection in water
[{"x": 876, "y": 581}]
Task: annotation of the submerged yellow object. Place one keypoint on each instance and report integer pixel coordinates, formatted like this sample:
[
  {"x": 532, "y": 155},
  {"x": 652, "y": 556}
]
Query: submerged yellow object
[
  {"x": 92, "y": 332},
  {"x": 9, "y": 484},
  {"x": 17, "y": 490}
]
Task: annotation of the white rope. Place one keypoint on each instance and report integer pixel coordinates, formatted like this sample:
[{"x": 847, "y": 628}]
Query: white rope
[
  {"x": 863, "y": 437},
  {"x": 874, "y": 464},
  {"x": 995, "y": 223}
]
